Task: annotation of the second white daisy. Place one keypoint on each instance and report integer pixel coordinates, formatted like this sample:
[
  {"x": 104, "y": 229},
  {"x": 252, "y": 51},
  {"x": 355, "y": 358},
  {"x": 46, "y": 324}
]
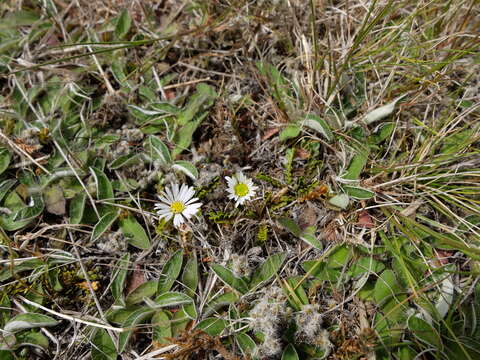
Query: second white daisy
[
  {"x": 240, "y": 188},
  {"x": 177, "y": 202}
]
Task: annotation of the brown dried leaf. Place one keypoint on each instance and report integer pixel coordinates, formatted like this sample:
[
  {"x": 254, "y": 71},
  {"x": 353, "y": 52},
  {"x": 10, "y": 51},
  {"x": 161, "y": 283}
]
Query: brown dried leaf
[
  {"x": 302, "y": 153},
  {"x": 308, "y": 217},
  {"x": 330, "y": 232},
  {"x": 365, "y": 220},
  {"x": 136, "y": 279},
  {"x": 269, "y": 133},
  {"x": 29, "y": 149}
]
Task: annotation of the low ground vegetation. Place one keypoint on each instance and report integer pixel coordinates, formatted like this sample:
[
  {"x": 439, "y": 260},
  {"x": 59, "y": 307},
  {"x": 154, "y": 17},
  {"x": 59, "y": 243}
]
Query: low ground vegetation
[{"x": 237, "y": 179}]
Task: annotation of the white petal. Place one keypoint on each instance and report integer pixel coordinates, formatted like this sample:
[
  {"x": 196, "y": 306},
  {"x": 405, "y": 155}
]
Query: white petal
[
  {"x": 177, "y": 220},
  {"x": 191, "y": 210},
  {"x": 241, "y": 178},
  {"x": 175, "y": 191},
  {"x": 189, "y": 194},
  {"x": 181, "y": 193},
  {"x": 160, "y": 206},
  {"x": 191, "y": 201},
  {"x": 165, "y": 200},
  {"x": 187, "y": 215},
  {"x": 166, "y": 216},
  {"x": 168, "y": 194},
  {"x": 164, "y": 211}
]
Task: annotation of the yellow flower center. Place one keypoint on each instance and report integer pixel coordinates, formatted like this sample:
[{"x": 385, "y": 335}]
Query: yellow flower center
[
  {"x": 240, "y": 189},
  {"x": 177, "y": 207}
]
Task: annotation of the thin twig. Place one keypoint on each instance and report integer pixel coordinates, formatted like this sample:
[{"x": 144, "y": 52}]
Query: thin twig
[{"x": 71, "y": 318}]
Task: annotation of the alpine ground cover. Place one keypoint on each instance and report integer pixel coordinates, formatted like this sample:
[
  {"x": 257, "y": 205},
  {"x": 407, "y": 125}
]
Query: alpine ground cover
[{"x": 239, "y": 179}]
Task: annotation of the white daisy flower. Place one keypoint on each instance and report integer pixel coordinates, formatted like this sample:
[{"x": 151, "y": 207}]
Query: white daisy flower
[
  {"x": 177, "y": 202},
  {"x": 240, "y": 188}
]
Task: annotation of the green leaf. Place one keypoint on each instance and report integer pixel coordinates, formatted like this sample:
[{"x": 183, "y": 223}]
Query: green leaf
[
  {"x": 162, "y": 329},
  {"x": 104, "y": 187},
  {"x": 311, "y": 240},
  {"x": 267, "y": 270},
  {"x": 339, "y": 257},
  {"x": 103, "y": 346},
  {"x": 386, "y": 286},
  {"x": 290, "y": 132},
  {"x": 54, "y": 279},
  {"x": 456, "y": 142},
  {"x": 384, "y": 131},
  {"x": 183, "y": 137},
  {"x": 134, "y": 232},
  {"x": 5, "y": 186},
  {"x": 190, "y": 276},
  {"x": 291, "y": 226},
  {"x": 290, "y": 353},
  {"x": 212, "y": 326},
  {"x": 5, "y": 158},
  {"x": 314, "y": 122},
  {"x": 279, "y": 86},
  {"x": 340, "y": 201},
  {"x": 7, "y": 272},
  {"x": 227, "y": 276},
  {"x": 99, "y": 163},
  {"x": 172, "y": 298},
  {"x": 166, "y": 108},
  {"x": 13, "y": 201},
  {"x": 425, "y": 332},
  {"x": 198, "y": 102},
  {"x": 356, "y": 166},
  {"x": 179, "y": 323},
  {"x": 157, "y": 150},
  {"x": 124, "y": 160},
  {"x": 117, "y": 68},
  {"x": 31, "y": 338},
  {"x": 118, "y": 314},
  {"x": 28, "y": 321},
  {"x": 19, "y": 18},
  {"x": 314, "y": 267},
  {"x": 24, "y": 215},
  {"x": 124, "y": 22},
  {"x": 144, "y": 290},
  {"x": 191, "y": 311},
  {"x": 366, "y": 264},
  {"x": 308, "y": 235},
  {"x": 36, "y": 294},
  {"x": 5, "y": 306},
  {"x": 220, "y": 301},
  {"x": 77, "y": 206},
  {"x": 6, "y": 354},
  {"x": 358, "y": 192},
  {"x": 170, "y": 272},
  {"x": 119, "y": 277},
  {"x": 136, "y": 317},
  {"x": 104, "y": 224},
  {"x": 187, "y": 168},
  {"x": 293, "y": 289},
  {"x": 245, "y": 343},
  {"x": 32, "y": 211}
]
